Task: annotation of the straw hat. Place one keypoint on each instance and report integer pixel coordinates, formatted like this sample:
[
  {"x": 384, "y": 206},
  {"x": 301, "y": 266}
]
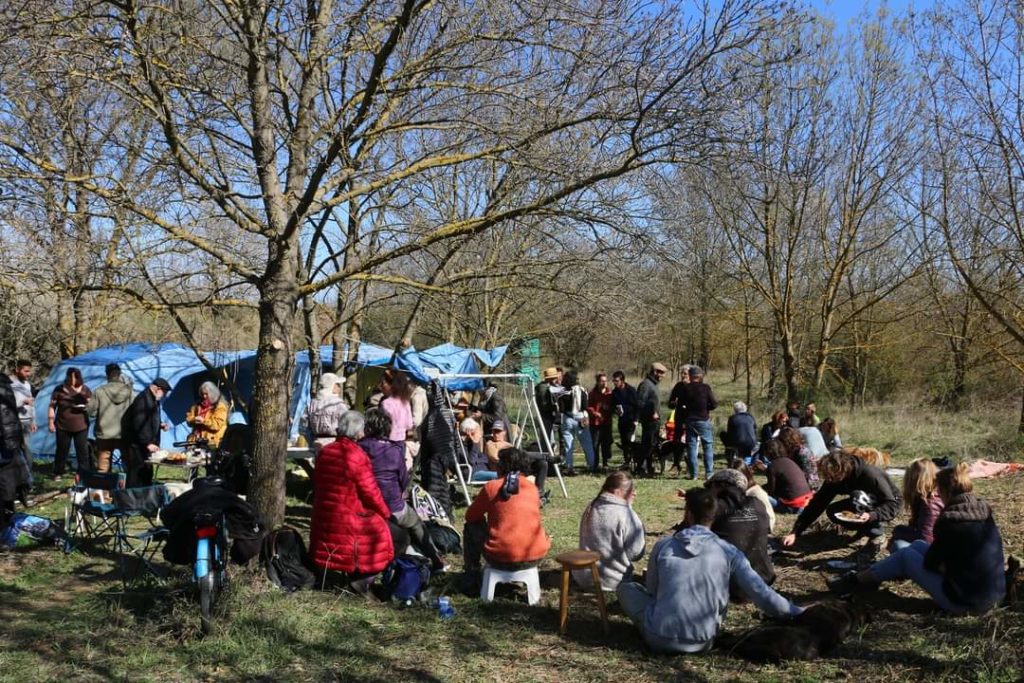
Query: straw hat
[{"x": 549, "y": 373}]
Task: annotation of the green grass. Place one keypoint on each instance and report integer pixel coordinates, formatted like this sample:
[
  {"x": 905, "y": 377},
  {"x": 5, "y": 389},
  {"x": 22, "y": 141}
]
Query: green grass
[{"x": 66, "y": 617}]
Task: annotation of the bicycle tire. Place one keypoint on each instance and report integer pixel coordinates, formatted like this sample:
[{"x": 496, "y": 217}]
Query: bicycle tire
[{"x": 208, "y": 592}]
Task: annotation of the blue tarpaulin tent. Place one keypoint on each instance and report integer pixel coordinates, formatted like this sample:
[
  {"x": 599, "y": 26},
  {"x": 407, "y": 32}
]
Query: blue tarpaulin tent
[
  {"x": 179, "y": 365},
  {"x": 142, "y": 363}
]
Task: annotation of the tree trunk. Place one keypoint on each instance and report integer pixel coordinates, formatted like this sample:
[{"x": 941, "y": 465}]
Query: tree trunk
[
  {"x": 746, "y": 353},
  {"x": 272, "y": 388}
]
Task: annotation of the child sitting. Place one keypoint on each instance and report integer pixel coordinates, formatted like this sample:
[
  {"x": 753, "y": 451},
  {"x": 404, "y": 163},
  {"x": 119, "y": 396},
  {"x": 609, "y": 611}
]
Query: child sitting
[{"x": 921, "y": 499}]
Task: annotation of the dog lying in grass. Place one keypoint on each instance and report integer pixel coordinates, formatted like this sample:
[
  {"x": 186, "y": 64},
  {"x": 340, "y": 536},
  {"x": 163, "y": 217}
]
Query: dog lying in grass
[
  {"x": 871, "y": 456},
  {"x": 812, "y": 635}
]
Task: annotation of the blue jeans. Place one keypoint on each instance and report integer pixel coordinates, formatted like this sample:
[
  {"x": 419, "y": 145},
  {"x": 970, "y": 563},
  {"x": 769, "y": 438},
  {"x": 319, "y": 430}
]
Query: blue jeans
[
  {"x": 700, "y": 429},
  {"x": 908, "y": 563},
  {"x": 571, "y": 432},
  {"x": 785, "y": 509}
]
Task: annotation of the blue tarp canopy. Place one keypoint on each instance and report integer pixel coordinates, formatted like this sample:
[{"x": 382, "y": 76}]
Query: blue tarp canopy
[
  {"x": 181, "y": 367},
  {"x": 142, "y": 363}
]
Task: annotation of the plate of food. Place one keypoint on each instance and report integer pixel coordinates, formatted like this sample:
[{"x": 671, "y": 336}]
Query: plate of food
[
  {"x": 177, "y": 458},
  {"x": 847, "y": 516}
]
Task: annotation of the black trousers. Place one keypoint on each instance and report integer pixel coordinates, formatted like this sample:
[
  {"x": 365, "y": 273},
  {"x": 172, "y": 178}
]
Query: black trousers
[
  {"x": 474, "y": 536},
  {"x": 138, "y": 471},
  {"x": 602, "y": 438},
  {"x": 81, "y": 441},
  {"x": 627, "y": 428},
  {"x": 648, "y": 438}
]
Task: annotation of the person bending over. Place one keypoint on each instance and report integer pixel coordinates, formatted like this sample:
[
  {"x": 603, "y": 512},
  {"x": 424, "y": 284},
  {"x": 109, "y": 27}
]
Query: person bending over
[
  {"x": 872, "y": 499},
  {"x": 611, "y": 528},
  {"x": 962, "y": 569},
  {"x": 686, "y": 596},
  {"x": 503, "y": 523}
]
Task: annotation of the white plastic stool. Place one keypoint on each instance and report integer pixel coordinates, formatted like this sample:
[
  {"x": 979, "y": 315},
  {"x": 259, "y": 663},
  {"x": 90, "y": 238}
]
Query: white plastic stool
[{"x": 492, "y": 577}]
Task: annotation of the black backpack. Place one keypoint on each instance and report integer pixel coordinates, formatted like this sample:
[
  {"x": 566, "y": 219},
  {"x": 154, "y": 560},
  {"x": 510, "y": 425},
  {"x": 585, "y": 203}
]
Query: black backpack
[{"x": 284, "y": 554}]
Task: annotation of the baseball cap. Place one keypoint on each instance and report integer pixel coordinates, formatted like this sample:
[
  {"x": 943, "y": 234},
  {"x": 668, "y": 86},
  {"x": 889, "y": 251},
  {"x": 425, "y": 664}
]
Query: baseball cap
[{"x": 498, "y": 426}]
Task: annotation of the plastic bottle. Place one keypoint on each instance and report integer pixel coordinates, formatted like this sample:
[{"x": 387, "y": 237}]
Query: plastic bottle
[{"x": 444, "y": 608}]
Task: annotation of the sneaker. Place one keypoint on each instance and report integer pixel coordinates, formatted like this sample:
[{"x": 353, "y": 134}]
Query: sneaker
[
  {"x": 848, "y": 583},
  {"x": 570, "y": 472},
  {"x": 440, "y": 566}
]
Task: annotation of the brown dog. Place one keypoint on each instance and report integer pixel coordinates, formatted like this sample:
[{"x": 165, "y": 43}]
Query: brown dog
[
  {"x": 871, "y": 456},
  {"x": 811, "y": 635}
]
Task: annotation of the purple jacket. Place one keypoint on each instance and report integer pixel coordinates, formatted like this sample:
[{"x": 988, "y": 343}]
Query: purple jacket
[{"x": 387, "y": 458}]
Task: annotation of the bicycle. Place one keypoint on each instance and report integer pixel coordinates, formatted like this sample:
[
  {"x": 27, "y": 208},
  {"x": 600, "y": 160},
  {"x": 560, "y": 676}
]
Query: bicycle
[{"x": 210, "y": 569}]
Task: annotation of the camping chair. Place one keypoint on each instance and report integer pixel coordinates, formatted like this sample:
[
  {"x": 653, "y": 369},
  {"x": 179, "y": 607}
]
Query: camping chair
[
  {"x": 91, "y": 510},
  {"x": 138, "y": 548}
]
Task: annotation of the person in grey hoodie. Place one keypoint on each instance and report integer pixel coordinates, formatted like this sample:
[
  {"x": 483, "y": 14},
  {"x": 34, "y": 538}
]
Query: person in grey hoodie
[
  {"x": 107, "y": 406},
  {"x": 686, "y": 596},
  {"x": 611, "y": 527}
]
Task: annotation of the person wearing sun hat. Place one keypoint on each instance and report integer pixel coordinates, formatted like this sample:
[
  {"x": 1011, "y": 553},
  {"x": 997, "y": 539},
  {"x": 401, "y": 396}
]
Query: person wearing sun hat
[{"x": 545, "y": 395}]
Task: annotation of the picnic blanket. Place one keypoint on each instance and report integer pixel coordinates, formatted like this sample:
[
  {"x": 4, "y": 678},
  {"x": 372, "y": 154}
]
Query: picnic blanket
[{"x": 986, "y": 469}]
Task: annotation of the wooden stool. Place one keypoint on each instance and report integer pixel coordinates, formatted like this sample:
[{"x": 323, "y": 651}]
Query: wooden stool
[{"x": 579, "y": 559}]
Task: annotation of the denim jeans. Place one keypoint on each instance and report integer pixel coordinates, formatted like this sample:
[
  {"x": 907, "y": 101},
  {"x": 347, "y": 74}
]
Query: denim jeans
[
  {"x": 700, "y": 429},
  {"x": 909, "y": 564},
  {"x": 778, "y": 506},
  {"x": 571, "y": 432}
]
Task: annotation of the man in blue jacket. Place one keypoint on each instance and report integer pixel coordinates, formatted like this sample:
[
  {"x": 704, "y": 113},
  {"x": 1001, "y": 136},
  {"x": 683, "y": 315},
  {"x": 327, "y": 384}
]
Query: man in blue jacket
[{"x": 684, "y": 602}]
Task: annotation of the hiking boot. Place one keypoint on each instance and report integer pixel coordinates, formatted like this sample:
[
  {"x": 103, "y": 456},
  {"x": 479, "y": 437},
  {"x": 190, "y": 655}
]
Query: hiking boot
[
  {"x": 673, "y": 471},
  {"x": 472, "y": 580}
]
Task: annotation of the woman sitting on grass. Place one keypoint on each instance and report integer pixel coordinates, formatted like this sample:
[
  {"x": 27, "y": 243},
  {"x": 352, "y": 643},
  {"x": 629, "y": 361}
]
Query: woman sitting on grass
[
  {"x": 801, "y": 455},
  {"x": 754, "y": 489},
  {"x": 611, "y": 528},
  {"x": 787, "y": 487},
  {"x": 922, "y": 500},
  {"x": 962, "y": 570}
]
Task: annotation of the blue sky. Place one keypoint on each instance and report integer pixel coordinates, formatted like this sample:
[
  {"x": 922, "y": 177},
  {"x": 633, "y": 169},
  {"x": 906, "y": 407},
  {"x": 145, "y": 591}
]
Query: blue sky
[{"x": 844, "y": 11}]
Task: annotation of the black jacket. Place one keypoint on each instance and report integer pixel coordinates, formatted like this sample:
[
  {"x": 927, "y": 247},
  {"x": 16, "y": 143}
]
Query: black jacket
[
  {"x": 10, "y": 423},
  {"x": 742, "y": 432},
  {"x": 647, "y": 399},
  {"x": 786, "y": 481},
  {"x": 437, "y": 450},
  {"x": 968, "y": 552},
  {"x": 743, "y": 521},
  {"x": 696, "y": 401},
  {"x": 245, "y": 528},
  {"x": 492, "y": 410},
  {"x": 140, "y": 424},
  {"x": 866, "y": 478}
]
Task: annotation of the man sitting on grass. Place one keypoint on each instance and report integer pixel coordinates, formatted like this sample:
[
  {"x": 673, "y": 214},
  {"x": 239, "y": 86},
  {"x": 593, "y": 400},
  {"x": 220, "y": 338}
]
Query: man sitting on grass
[
  {"x": 503, "y": 524},
  {"x": 687, "y": 594}
]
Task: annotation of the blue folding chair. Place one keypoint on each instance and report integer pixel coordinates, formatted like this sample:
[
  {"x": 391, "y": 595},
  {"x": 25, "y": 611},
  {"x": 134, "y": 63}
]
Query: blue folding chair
[
  {"x": 91, "y": 512},
  {"x": 137, "y": 549}
]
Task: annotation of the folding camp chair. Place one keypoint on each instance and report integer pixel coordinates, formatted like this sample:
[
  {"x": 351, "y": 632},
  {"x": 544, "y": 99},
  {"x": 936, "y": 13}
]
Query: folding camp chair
[
  {"x": 137, "y": 549},
  {"x": 91, "y": 511}
]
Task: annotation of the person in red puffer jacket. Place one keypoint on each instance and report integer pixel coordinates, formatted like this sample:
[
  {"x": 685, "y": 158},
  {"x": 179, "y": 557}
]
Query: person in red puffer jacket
[{"x": 349, "y": 530}]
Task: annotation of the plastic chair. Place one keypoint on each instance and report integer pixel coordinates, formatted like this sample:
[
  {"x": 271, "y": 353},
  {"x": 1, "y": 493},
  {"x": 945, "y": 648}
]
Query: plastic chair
[{"x": 494, "y": 576}]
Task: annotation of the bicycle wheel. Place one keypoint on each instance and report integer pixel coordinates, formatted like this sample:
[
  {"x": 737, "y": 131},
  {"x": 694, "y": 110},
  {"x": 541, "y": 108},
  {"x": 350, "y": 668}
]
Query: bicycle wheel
[{"x": 208, "y": 591}]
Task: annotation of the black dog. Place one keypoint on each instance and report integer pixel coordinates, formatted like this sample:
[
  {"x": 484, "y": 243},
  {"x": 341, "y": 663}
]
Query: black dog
[{"x": 811, "y": 635}]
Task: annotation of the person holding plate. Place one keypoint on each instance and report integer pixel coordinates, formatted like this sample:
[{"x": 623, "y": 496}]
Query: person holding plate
[
  {"x": 69, "y": 421},
  {"x": 872, "y": 499}
]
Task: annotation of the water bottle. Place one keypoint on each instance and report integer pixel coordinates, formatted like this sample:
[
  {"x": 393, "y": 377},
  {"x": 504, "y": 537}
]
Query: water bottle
[{"x": 444, "y": 608}]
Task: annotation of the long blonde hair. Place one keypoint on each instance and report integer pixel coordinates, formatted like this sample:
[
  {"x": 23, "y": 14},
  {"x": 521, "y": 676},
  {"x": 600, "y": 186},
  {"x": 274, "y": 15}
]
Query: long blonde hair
[{"x": 919, "y": 482}]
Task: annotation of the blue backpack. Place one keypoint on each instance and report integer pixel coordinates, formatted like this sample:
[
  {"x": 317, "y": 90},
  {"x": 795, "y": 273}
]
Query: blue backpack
[{"x": 406, "y": 577}]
